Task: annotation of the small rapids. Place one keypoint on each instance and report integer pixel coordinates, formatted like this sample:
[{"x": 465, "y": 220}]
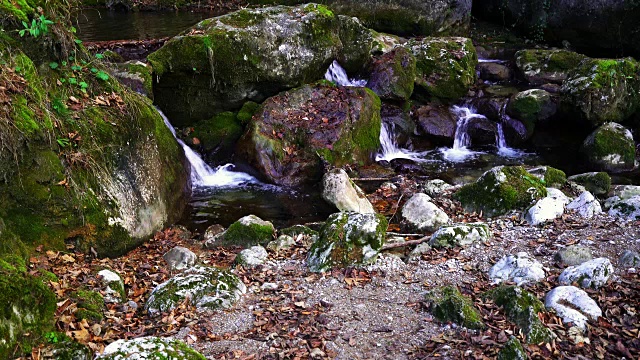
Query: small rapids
[
  {"x": 460, "y": 151},
  {"x": 338, "y": 75}
]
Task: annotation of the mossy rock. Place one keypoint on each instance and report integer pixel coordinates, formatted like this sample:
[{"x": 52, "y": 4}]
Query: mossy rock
[
  {"x": 150, "y": 348},
  {"x": 610, "y": 148},
  {"x": 531, "y": 107},
  {"x": 66, "y": 349},
  {"x": 205, "y": 287},
  {"x": 246, "y": 232},
  {"x": 218, "y": 136},
  {"x": 501, "y": 189},
  {"x": 28, "y": 309},
  {"x": 522, "y": 308},
  {"x": 460, "y": 235},
  {"x": 604, "y": 90},
  {"x": 252, "y": 54},
  {"x": 393, "y": 75},
  {"x": 348, "y": 239},
  {"x": 446, "y": 67},
  {"x": 512, "y": 350},
  {"x": 90, "y": 305},
  {"x": 296, "y": 230},
  {"x": 135, "y": 75},
  {"x": 449, "y": 305},
  {"x": 550, "y": 176},
  {"x": 597, "y": 183},
  {"x": 540, "y": 66}
]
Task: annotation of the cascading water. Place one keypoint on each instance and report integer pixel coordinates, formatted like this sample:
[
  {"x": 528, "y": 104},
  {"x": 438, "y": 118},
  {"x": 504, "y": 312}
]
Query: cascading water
[
  {"x": 460, "y": 152},
  {"x": 338, "y": 75},
  {"x": 202, "y": 175},
  {"x": 501, "y": 141}
]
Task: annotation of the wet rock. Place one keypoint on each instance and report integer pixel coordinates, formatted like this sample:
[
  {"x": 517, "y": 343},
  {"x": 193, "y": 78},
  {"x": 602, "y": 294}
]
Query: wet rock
[
  {"x": 551, "y": 176},
  {"x": 586, "y": 205},
  {"x": 539, "y": 66},
  {"x": 136, "y": 75},
  {"x": 446, "y": 67},
  {"x": 114, "y": 286},
  {"x": 591, "y": 274},
  {"x": 501, "y": 189},
  {"x": 252, "y": 257},
  {"x": 482, "y": 131},
  {"x": 436, "y": 187},
  {"x": 520, "y": 268},
  {"x": 436, "y": 120},
  {"x": 491, "y": 71},
  {"x": 460, "y": 235},
  {"x": 216, "y": 137},
  {"x": 515, "y": 131},
  {"x": 610, "y": 148},
  {"x": 512, "y": 350},
  {"x": 291, "y": 133},
  {"x": 628, "y": 209},
  {"x": 421, "y": 214},
  {"x": 448, "y": 304},
  {"x": 597, "y": 183},
  {"x": 149, "y": 347},
  {"x": 179, "y": 258},
  {"x": 522, "y": 308},
  {"x": 573, "y": 305},
  {"x": 573, "y": 255},
  {"x": 348, "y": 239},
  {"x": 339, "y": 190},
  {"x": 251, "y": 54},
  {"x": 205, "y": 287},
  {"x": 283, "y": 242},
  {"x": 392, "y": 74},
  {"x": 491, "y": 107},
  {"x": 531, "y": 107},
  {"x": 248, "y": 231},
  {"x": 548, "y": 208},
  {"x": 603, "y": 90},
  {"x": 402, "y": 126},
  {"x": 629, "y": 259}
]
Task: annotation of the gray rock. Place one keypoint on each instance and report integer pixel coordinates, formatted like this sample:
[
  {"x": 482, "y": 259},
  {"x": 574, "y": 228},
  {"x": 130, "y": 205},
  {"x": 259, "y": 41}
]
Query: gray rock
[
  {"x": 460, "y": 235},
  {"x": 628, "y": 209},
  {"x": 493, "y": 71},
  {"x": 541, "y": 66},
  {"x": 586, "y": 205},
  {"x": 392, "y": 75},
  {"x": 281, "y": 243},
  {"x": 573, "y": 255},
  {"x": 114, "y": 286},
  {"x": 532, "y": 106},
  {"x": 421, "y": 214},
  {"x": 212, "y": 231},
  {"x": 205, "y": 287},
  {"x": 339, "y": 190},
  {"x": 591, "y": 274},
  {"x": 624, "y": 192},
  {"x": 419, "y": 250},
  {"x": 149, "y": 347},
  {"x": 629, "y": 259},
  {"x": 436, "y": 187},
  {"x": 597, "y": 183},
  {"x": 610, "y": 148},
  {"x": 435, "y": 120},
  {"x": 547, "y": 208},
  {"x": 512, "y": 350},
  {"x": 252, "y": 257},
  {"x": 179, "y": 258},
  {"x": 573, "y": 305},
  {"x": 520, "y": 268}
]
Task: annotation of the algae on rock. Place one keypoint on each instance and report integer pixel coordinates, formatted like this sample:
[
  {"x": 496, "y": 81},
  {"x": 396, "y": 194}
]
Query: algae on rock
[{"x": 448, "y": 304}]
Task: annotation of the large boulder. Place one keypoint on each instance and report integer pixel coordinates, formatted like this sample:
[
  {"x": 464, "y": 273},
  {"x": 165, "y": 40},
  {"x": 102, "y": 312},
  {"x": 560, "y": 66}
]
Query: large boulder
[
  {"x": 437, "y": 121},
  {"x": 610, "y": 148},
  {"x": 392, "y": 74},
  {"x": 348, "y": 239},
  {"x": 101, "y": 171},
  {"x": 446, "y": 67},
  {"x": 292, "y": 133},
  {"x": 531, "y": 107},
  {"x": 603, "y": 90},
  {"x": 252, "y": 54},
  {"x": 592, "y": 25},
  {"x": 402, "y": 17},
  {"x": 541, "y": 66},
  {"x": 501, "y": 189}
]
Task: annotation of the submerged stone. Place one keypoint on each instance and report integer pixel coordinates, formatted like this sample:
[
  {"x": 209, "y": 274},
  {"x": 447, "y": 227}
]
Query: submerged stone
[
  {"x": 348, "y": 239},
  {"x": 460, "y": 235},
  {"x": 448, "y": 304},
  {"x": 205, "y": 287},
  {"x": 149, "y": 348}
]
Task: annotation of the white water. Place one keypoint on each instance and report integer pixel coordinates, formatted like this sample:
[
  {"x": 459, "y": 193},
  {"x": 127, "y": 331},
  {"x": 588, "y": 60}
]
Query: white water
[
  {"x": 460, "y": 151},
  {"x": 339, "y": 76},
  {"x": 202, "y": 175},
  {"x": 390, "y": 149},
  {"x": 501, "y": 141}
]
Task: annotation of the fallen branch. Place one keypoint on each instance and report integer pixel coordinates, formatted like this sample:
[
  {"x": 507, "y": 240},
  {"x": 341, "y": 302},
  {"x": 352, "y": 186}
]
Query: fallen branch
[
  {"x": 406, "y": 243},
  {"x": 391, "y": 233}
]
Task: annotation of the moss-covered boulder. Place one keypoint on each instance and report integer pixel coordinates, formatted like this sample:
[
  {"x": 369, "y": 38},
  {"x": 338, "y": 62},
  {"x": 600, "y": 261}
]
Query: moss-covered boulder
[
  {"x": 446, "y": 67},
  {"x": 27, "y": 311},
  {"x": 597, "y": 183},
  {"x": 80, "y": 153},
  {"x": 448, "y": 304},
  {"x": 501, "y": 189},
  {"x": 522, "y": 308},
  {"x": 392, "y": 75},
  {"x": 150, "y": 348},
  {"x": 136, "y": 75},
  {"x": 291, "y": 134},
  {"x": 589, "y": 274},
  {"x": 541, "y": 66},
  {"x": 205, "y": 287},
  {"x": 550, "y": 176},
  {"x": 460, "y": 235},
  {"x": 610, "y": 148},
  {"x": 252, "y": 54},
  {"x": 246, "y": 232},
  {"x": 90, "y": 304},
  {"x": 512, "y": 350},
  {"x": 348, "y": 239},
  {"x": 216, "y": 137},
  {"x": 603, "y": 90},
  {"x": 532, "y": 106}
]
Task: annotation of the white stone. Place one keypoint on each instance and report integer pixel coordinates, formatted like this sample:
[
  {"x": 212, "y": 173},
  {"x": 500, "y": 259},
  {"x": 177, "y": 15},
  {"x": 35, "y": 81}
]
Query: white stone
[
  {"x": 339, "y": 190},
  {"x": 590, "y": 274},
  {"x": 113, "y": 282},
  {"x": 628, "y": 209},
  {"x": 420, "y": 213},
  {"x": 520, "y": 268},
  {"x": 253, "y": 256},
  {"x": 547, "y": 208},
  {"x": 460, "y": 235},
  {"x": 281, "y": 243},
  {"x": 586, "y": 205},
  {"x": 144, "y": 348},
  {"x": 573, "y": 305},
  {"x": 436, "y": 187},
  {"x": 179, "y": 258}
]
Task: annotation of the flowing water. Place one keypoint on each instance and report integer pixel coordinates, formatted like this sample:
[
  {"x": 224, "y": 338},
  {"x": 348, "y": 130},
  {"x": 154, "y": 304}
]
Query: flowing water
[{"x": 338, "y": 75}]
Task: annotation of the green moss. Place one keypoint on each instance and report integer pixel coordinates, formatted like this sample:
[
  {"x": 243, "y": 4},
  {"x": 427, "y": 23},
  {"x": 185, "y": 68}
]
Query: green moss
[
  {"x": 596, "y": 183},
  {"x": 47, "y": 276},
  {"x": 296, "y": 230},
  {"x": 610, "y": 140},
  {"x": 247, "y": 232},
  {"x": 449, "y": 236},
  {"x": 243, "y": 18},
  {"x": 500, "y": 190},
  {"x": 512, "y": 350},
  {"x": 522, "y": 308},
  {"x": 320, "y": 9},
  {"x": 219, "y": 133},
  {"x": 448, "y": 304},
  {"x": 554, "y": 177},
  {"x": 245, "y": 114}
]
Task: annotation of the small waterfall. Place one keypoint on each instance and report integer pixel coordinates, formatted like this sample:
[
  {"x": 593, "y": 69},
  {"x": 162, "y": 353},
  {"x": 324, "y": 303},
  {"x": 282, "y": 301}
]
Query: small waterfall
[
  {"x": 390, "y": 149},
  {"x": 461, "y": 141},
  {"x": 501, "y": 141},
  {"x": 203, "y": 175},
  {"x": 339, "y": 76}
]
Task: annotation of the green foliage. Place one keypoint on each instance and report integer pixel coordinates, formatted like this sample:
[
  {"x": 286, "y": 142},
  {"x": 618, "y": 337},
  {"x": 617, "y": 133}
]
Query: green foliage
[
  {"x": 39, "y": 26},
  {"x": 51, "y": 337},
  {"x": 102, "y": 75}
]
